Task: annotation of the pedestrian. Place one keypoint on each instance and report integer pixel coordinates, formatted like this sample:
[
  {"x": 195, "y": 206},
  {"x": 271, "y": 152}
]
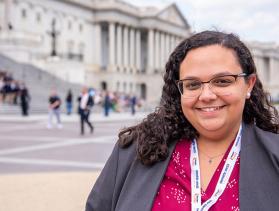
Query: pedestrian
[
  {"x": 86, "y": 102},
  {"x": 107, "y": 103},
  {"x": 133, "y": 103},
  {"x": 54, "y": 109},
  {"x": 69, "y": 102},
  {"x": 15, "y": 91},
  {"x": 24, "y": 100},
  {"x": 212, "y": 144}
]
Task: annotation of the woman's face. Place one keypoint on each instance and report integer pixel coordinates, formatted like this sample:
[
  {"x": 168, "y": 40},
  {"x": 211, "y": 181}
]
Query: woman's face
[{"x": 210, "y": 112}]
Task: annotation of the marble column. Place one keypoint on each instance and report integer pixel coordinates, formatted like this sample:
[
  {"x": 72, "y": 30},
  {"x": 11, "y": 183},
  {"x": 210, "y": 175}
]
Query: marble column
[
  {"x": 150, "y": 47},
  {"x": 7, "y": 14},
  {"x": 173, "y": 45},
  {"x": 132, "y": 50},
  {"x": 157, "y": 51},
  {"x": 162, "y": 51},
  {"x": 97, "y": 38},
  {"x": 112, "y": 45},
  {"x": 126, "y": 47},
  {"x": 138, "y": 50},
  {"x": 119, "y": 46},
  {"x": 168, "y": 48},
  {"x": 272, "y": 71}
]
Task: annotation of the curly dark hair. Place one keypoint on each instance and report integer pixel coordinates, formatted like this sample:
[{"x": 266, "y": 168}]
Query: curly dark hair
[{"x": 168, "y": 124}]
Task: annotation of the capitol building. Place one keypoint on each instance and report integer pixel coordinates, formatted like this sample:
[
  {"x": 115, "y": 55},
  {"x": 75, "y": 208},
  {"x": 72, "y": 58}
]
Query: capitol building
[{"x": 106, "y": 44}]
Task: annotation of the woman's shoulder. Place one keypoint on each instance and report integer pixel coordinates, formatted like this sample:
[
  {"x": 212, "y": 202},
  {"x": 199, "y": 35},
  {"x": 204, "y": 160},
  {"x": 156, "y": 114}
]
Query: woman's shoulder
[
  {"x": 268, "y": 139},
  {"x": 266, "y": 134},
  {"x": 126, "y": 148}
]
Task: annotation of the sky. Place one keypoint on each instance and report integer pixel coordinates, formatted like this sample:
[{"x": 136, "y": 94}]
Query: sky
[{"x": 252, "y": 20}]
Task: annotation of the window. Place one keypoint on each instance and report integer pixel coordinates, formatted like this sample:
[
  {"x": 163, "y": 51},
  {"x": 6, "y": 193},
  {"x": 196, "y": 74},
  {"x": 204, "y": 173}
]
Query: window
[
  {"x": 124, "y": 87},
  {"x": 70, "y": 46},
  {"x": 131, "y": 87},
  {"x": 81, "y": 51},
  {"x": 80, "y": 27},
  {"x": 38, "y": 17},
  {"x": 31, "y": 6},
  {"x": 69, "y": 25},
  {"x": 118, "y": 86},
  {"x": 104, "y": 86},
  {"x": 23, "y": 13}
]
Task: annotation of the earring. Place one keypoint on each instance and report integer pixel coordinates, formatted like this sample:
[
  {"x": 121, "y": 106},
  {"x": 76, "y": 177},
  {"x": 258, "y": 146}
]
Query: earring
[{"x": 248, "y": 95}]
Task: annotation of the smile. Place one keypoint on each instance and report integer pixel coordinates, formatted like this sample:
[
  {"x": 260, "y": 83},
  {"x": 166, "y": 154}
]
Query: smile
[{"x": 210, "y": 109}]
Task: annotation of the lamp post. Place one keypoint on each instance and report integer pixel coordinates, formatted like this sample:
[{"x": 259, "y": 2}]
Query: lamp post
[
  {"x": 53, "y": 34},
  {"x": 7, "y": 25}
]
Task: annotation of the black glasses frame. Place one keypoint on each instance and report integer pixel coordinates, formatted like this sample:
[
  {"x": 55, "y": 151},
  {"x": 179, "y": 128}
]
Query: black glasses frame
[{"x": 206, "y": 82}]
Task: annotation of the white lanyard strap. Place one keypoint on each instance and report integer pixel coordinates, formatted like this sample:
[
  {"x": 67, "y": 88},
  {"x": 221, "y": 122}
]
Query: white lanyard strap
[{"x": 223, "y": 178}]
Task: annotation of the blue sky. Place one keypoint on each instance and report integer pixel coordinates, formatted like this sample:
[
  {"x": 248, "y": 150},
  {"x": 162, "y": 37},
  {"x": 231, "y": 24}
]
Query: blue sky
[{"x": 252, "y": 20}]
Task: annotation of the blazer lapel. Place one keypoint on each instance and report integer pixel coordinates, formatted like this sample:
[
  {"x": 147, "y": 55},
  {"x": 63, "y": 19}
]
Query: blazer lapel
[{"x": 141, "y": 185}]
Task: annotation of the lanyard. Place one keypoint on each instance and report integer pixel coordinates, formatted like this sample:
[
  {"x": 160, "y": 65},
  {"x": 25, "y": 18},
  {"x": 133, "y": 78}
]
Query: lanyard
[{"x": 222, "y": 181}]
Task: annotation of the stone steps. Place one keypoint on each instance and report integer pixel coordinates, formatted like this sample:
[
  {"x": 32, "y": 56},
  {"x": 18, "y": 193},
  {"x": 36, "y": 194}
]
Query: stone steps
[{"x": 39, "y": 84}]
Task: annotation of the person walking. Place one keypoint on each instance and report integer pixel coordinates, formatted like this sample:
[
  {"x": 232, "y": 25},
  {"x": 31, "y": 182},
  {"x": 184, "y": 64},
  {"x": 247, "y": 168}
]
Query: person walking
[
  {"x": 54, "y": 109},
  {"x": 86, "y": 102},
  {"x": 24, "y": 100},
  {"x": 133, "y": 103},
  {"x": 69, "y": 102},
  {"x": 107, "y": 103}
]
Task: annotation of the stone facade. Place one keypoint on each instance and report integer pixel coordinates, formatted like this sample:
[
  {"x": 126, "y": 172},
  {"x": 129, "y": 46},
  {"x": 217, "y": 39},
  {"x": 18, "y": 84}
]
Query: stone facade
[
  {"x": 266, "y": 57},
  {"x": 106, "y": 44}
]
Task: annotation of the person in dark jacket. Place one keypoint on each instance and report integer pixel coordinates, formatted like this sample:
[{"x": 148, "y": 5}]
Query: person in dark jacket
[
  {"x": 69, "y": 102},
  {"x": 54, "y": 109},
  {"x": 107, "y": 103},
  {"x": 24, "y": 100},
  {"x": 133, "y": 103},
  {"x": 212, "y": 144},
  {"x": 86, "y": 102}
]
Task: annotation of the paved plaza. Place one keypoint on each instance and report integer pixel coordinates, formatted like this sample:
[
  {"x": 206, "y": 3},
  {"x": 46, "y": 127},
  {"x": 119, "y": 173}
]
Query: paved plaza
[{"x": 53, "y": 169}]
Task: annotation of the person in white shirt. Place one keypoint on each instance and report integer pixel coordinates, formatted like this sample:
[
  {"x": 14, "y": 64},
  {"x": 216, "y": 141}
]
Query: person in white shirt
[{"x": 86, "y": 102}]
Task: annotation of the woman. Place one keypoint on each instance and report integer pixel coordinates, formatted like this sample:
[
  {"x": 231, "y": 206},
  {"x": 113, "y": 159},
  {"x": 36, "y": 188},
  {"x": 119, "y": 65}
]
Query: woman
[
  {"x": 213, "y": 107},
  {"x": 69, "y": 102}
]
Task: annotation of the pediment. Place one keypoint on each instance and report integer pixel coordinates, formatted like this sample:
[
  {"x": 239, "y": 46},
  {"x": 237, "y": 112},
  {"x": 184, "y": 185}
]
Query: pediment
[{"x": 172, "y": 14}]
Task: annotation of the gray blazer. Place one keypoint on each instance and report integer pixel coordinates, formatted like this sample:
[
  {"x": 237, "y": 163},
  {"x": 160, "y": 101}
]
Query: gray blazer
[{"x": 126, "y": 185}]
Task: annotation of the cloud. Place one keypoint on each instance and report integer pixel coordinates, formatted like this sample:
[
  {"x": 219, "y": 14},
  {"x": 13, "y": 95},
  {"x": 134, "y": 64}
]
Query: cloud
[{"x": 252, "y": 20}]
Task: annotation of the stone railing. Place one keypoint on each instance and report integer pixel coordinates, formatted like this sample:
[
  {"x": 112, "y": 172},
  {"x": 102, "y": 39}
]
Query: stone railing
[{"x": 17, "y": 37}]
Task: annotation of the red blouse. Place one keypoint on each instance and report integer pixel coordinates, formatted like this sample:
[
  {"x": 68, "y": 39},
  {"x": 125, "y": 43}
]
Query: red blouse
[{"x": 174, "y": 193}]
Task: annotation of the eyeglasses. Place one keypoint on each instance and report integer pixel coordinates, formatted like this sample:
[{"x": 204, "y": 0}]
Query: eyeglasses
[{"x": 220, "y": 85}]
